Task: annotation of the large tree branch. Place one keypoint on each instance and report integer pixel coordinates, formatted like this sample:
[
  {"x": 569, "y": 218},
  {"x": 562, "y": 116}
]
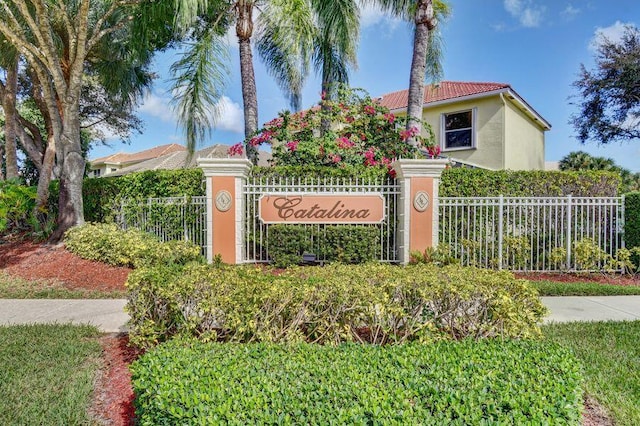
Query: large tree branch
[{"x": 100, "y": 32}]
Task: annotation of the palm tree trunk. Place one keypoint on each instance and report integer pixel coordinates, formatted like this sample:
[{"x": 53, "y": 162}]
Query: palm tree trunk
[
  {"x": 244, "y": 31},
  {"x": 423, "y": 26},
  {"x": 9, "y": 106}
]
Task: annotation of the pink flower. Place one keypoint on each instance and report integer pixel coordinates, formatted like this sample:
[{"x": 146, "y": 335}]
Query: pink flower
[
  {"x": 335, "y": 158},
  {"x": 390, "y": 117},
  {"x": 292, "y": 145},
  {"x": 345, "y": 143},
  {"x": 236, "y": 149},
  {"x": 368, "y": 109},
  {"x": 406, "y": 134},
  {"x": 276, "y": 122},
  {"x": 323, "y": 95},
  {"x": 433, "y": 150},
  {"x": 369, "y": 157},
  {"x": 349, "y": 119}
]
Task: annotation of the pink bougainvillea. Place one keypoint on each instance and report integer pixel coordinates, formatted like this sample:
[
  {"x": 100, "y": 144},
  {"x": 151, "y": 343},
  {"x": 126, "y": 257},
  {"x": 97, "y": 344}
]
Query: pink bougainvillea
[
  {"x": 236, "y": 149},
  {"x": 360, "y": 132},
  {"x": 433, "y": 150}
]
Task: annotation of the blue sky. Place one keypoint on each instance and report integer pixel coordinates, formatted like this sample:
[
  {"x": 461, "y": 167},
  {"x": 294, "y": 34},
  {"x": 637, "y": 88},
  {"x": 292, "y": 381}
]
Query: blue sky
[{"x": 536, "y": 46}]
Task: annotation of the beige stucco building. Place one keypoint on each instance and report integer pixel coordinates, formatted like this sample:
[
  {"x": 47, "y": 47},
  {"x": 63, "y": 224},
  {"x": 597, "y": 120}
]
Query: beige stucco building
[{"x": 486, "y": 125}]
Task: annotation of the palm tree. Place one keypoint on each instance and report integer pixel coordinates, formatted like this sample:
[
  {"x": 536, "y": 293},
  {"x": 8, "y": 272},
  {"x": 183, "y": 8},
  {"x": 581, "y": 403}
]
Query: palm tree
[
  {"x": 426, "y": 58},
  {"x": 289, "y": 35}
]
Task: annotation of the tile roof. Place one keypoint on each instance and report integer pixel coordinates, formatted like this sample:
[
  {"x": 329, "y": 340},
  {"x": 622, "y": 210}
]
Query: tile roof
[
  {"x": 123, "y": 158},
  {"x": 445, "y": 90},
  {"x": 180, "y": 160}
]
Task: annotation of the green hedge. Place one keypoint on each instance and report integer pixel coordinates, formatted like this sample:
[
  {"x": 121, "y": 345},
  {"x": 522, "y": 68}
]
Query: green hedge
[
  {"x": 376, "y": 303},
  {"x": 109, "y": 244},
  {"x": 102, "y": 195},
  {"x": 632, "y": 219},
  {"x": 489, "y": 382},
  {"x": 331, "y": 243},
  {"x": 461, "y": 182},
  {"x": 347, "y": 172}
]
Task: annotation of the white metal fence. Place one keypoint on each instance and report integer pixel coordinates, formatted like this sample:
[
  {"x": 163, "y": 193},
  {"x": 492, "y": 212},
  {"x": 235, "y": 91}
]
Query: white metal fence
[
  {"x": 169, "y": 218},
  {"x": 531, "y": 234},
  {"x": 257, "y": 233}
]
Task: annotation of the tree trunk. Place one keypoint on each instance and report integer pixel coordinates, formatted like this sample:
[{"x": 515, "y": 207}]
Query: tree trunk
[
  {"x": 244, "y": 31},
  {"x": 69, "y": 152},
  {"x": 415, "y": 102},
  {"x": 9, "y": 106}
]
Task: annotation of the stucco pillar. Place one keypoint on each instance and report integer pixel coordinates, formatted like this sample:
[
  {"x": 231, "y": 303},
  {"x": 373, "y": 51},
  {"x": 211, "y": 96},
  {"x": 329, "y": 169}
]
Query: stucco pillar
[
  {"x": 418, "y": 205},
  {"x": 225, "y": 178}
]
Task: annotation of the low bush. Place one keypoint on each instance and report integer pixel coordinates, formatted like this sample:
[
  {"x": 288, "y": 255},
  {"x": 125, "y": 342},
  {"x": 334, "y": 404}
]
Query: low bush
[
  {"x": 16, "y": 206},
  {"x": 374, "y": 303},
  {"x": 489, "y": 382},
  {"x": 331, "y": 243},
  {"x": 108, "y": 243}
]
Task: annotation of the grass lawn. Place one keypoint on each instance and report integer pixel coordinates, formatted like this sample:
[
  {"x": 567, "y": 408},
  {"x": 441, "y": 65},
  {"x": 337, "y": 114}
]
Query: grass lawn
[
  {"x": 12, "y": 287},
  {"x": 47, "y": 374},
  {"x": 610, "y": 352},
  {"x": 553, "y": 288}
]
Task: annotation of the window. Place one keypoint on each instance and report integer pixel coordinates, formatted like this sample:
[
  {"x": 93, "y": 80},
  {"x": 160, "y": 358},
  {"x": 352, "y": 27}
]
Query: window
[
  {"x": 458, "y": 130},
  {"x": 96, "y": 173}
]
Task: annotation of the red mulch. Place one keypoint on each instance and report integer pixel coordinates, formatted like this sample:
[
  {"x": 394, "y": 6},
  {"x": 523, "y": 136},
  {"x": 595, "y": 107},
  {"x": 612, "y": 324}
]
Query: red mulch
[
  {"x": 113, "y": 396},
  {"x": 31, "y": 261}
]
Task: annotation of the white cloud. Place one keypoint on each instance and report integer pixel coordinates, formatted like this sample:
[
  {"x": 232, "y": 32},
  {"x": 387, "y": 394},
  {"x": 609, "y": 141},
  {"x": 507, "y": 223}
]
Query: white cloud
[
  {"x": 371, "y": 15},
  {"x": 612, "y": 33},
  {"x": 526, "y": 12},
  {"x": 231, "y": 116},
  {"x": 570, "y": 12},
  {"x": 158, "y": 106}
]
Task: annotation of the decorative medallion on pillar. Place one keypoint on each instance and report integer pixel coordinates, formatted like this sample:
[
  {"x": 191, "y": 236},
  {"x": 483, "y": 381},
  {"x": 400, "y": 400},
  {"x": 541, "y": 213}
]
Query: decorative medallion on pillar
[
  {"x": 421, "y": 201},
  {"x": 223, "y": 200}
]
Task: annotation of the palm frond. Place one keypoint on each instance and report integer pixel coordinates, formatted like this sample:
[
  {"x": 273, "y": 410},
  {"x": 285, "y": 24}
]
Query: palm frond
[
  {"x": 198, "y": 79},
  {"x": 284, "y": 40}
]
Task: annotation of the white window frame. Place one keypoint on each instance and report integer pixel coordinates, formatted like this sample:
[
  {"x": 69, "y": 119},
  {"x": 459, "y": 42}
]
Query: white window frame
[{"x": 443, "y": 139}]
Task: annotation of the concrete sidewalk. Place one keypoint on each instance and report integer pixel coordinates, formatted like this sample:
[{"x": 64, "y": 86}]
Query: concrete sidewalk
[
  {"x": 106, "y": 314},
  {"x": 592, "y": 308},
  {"x": 109, "y": 315}
]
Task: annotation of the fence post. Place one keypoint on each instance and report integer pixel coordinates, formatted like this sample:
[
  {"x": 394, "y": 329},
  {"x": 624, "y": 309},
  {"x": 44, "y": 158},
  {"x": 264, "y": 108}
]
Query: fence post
[
  {"x": 225, "y": 178},
  {"x": 418, "y": 205},
  {"x": 569, "y": 216},
  {"x": 500, "y": 229}
]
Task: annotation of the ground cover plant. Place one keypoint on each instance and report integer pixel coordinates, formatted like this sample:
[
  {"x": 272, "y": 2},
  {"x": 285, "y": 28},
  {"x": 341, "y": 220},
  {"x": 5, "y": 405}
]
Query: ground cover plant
[
  {"x": 467, "y": 382},
  {"x": 53, "y": 384},
  {"x": 375, "y": 303},
  {"x": 609, "y": 352}
]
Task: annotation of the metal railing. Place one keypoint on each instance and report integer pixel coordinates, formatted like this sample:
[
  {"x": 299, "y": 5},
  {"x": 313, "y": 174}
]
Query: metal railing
[
  {"x": 168, "y": 218},
  {"x": 530, "y": 234},
  {"x": 257, "y": 233}
]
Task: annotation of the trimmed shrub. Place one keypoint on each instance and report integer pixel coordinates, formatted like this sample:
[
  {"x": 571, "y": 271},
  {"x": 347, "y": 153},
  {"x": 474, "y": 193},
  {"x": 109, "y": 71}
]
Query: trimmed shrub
[
  {"x": 489, "y": 382},
  {"x": 374, "y": 303},
  {"x": 461, "y": 182},
  {"x": 109, "y": 244},
  {"x": 332, "y": 243},
  {"x": 377, "y": 174}
]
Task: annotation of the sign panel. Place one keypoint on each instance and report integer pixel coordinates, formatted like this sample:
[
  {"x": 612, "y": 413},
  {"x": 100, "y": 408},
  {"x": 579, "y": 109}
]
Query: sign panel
[{"x": 328, "y": 208}]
